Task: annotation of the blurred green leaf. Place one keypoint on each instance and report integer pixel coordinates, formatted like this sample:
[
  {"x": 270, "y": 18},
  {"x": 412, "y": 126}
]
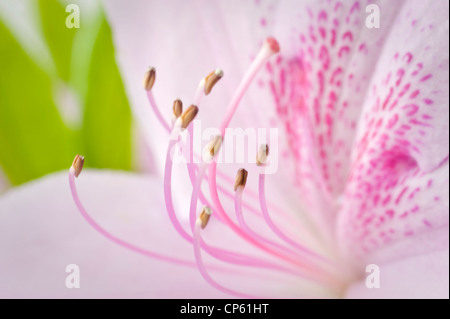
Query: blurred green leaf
[
  {"x": 33, "y": 138},
  {"x": 58, "y": 37},
  {"x": 107, "y": 117}
]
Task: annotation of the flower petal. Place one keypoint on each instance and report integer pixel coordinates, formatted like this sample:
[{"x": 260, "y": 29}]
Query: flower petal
[
  {"x": 423, "y": 276},
  {"x": 398, "y": 185},
  {"x": 320, "y": 81}
]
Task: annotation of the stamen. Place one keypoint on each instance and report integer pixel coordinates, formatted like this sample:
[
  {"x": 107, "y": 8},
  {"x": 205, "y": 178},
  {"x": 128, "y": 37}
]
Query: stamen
[
  {"x": 218, "y": 253},
  {"x": 77, "y": 165},
  {"x": 149, "y": 81},
  {"x": 212, "y": 79},
  {"x": 177, "y": 108},
  {"x": 205, "y": 215},
  {"x": 244, "y": 235},
  {"x": 206, "y": 84},
  {"x": 191, "y": 166},
  {"x": 211, "y": 150},
  {"x": 261, "y": 156},
  {"x": 222, "y": 254},
  {"x": 187, "y": 117},
  {"x": 241, "y": 179},
  {"x": 149, "y": 78}
]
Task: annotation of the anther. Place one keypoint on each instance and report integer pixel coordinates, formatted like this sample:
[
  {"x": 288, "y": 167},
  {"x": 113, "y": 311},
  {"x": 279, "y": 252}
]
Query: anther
[
  {"x": 261, "y": 156},
  {"x": 241, "y": 179},
  {"x": 204, "y": 216},
  {"x": 188, "y": 116},
  {"x": 212, "y": 148},
  {"x": 212, "y": 79},
  {"x": 177, "y": 108},
  {"x": 149, "y": 78},
  {"x": 77, "y": 164}
]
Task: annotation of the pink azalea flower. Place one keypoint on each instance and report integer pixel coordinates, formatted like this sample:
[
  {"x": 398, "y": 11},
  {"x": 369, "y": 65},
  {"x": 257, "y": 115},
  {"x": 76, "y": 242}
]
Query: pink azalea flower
[{"x": 363, "y": 161}]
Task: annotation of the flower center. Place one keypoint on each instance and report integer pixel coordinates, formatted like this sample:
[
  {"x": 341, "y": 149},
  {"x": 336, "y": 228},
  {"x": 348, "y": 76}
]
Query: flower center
[{"x": 281, "y": 253}]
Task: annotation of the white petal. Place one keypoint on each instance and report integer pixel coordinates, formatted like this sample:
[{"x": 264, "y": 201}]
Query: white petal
[{"x": 423, "y": 276}]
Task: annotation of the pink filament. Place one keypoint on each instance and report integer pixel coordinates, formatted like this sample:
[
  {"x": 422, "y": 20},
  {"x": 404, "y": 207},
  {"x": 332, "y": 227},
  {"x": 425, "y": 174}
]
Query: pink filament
[
  {"x": 263, "y": 55},
  {"x": 155, "y": 108},
  {"x": 168, "y": 193},
  {"x": 111, "y": 237}
]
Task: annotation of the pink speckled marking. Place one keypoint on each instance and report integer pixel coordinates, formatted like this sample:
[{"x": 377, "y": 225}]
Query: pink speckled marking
[
  {"x": 348, "y": 35},
  {"x": 414, "y": 94},
  {"x": 408, "y": 57},
  {"x": 427, "y": 223},
  {"x": 263, "y": 22},
  {"x": 413, "y": 109},
  {"x": 390, "y": 213},
  {"x": 343, "y": 50},
  {"x": 419, "y": 67},
  {"x": 322, "y": 16},
  {"x": 322, "y": 89},
  {"x": 426, "y": 77}
]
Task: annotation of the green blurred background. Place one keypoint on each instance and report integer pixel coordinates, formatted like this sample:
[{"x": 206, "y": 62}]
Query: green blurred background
[{"x": 66, "y": 99}]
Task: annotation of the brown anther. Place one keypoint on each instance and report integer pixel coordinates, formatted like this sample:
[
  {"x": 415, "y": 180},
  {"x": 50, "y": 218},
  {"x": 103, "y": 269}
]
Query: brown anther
[
  {"x": 261, "y": 156},
  {"x": 177, "y": 108},
  {"x": 188, "y": 116},
  {"x": 213, "y": 146},
  {"x": 149, "y": 78},
  {"x": 204, "y": 216},
  {"x": 241, "y": 179},
  {"x": 212, "y": 79},
  {"x": 77, "y": 164}
]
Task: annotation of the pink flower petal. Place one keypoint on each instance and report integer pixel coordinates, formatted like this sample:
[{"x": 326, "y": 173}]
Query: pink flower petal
[
  {"x": 398, "y": 185},
  {"x": 423, "y": 276},
  {"x": 319, "y": 85}
]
